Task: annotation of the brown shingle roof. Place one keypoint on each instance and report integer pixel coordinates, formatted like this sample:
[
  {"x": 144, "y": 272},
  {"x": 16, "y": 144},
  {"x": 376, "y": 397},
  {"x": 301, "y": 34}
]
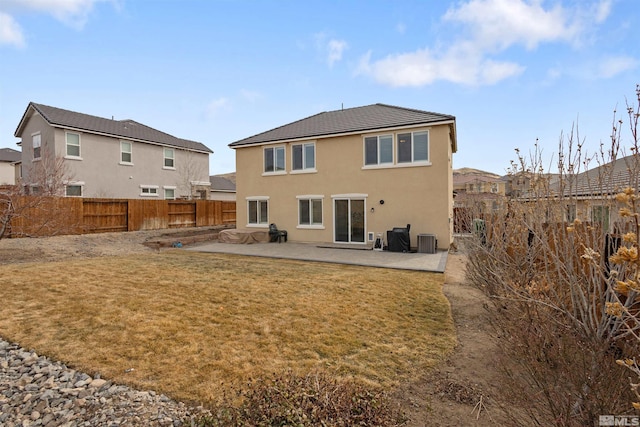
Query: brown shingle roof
[
  {"x": 350, "y": 120},
  {"x": 129, "y": 129},
  {"x": 10, "y": 155}
]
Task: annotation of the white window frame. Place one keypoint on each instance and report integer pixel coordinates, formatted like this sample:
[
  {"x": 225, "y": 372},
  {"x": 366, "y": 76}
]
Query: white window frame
[
  {"x": 310, "y": 199},
  {"x": 149, "y": 191},
  {"x": 166, "y": 150},
  {"x": 413, "y": 161},
  {"x": 259, "y": 201},
  {"x": 275, "y": 171},
  {"x": 170, "y": 188},
  {"x": 74, "y": 184},
  {"x": 36, "y": 142},
  {"x": 130, "y": 152},
  {"x": 67, "y": 145},
  {"x": 305, "y": 167},
  {"x": 379, "y": 162}
]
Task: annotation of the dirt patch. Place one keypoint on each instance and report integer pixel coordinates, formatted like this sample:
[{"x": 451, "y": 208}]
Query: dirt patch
[{"x": 465, "y": 389}]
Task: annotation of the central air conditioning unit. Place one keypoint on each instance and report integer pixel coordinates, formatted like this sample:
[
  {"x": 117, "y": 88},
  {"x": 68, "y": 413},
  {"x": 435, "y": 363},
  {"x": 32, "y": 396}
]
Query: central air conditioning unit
[{"x": 427, "y": 243}]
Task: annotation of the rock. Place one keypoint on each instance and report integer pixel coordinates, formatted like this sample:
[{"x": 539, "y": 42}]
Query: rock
[{"x": 35, "y": 391}]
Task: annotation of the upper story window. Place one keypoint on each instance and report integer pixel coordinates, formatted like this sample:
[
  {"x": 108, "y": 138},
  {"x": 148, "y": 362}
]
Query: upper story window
[
  {"x": 413, "y": 147},
  {"x": 36, "y": 142},
  {"x": 378, "y": 150},
  {"x": 126, "y": 155},
  {"x": 274, "y": 159},
  {"x": 73, "y": 144},
  {"x": 169, "y": 158},
  {"x": 303, "y": 156}
]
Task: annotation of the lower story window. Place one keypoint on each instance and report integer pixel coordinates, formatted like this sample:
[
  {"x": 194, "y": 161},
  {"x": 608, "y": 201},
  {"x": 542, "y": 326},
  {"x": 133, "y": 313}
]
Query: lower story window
[
  {"x": 310, "y": 211},
  {"x": 258, "y": 211},
  {"x": 73, "y": 190},
  {"x": 149, "y": 190},
  {"x": 169, "y": 193}
]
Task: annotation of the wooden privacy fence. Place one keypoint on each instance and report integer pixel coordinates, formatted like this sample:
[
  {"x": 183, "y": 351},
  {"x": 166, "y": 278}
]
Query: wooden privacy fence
[{"x": 80, "y": 215}]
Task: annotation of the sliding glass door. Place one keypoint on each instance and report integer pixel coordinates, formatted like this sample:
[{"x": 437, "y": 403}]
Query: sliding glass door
[{"x": 349, "y": 221}]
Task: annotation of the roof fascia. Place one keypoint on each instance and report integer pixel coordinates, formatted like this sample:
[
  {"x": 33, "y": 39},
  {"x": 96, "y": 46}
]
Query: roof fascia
[
  {"x": 337, "y": 135},
  {"x": 25, "y": 118}
]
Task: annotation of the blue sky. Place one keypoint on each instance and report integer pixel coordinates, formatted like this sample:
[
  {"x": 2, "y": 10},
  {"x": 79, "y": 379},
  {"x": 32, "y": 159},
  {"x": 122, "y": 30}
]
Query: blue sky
[{"x": 511, "y": 71}]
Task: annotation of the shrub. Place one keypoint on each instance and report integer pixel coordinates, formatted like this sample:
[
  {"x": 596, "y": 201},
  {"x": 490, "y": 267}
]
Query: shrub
[
  {"x": 565, "y": 290},
  {"x": 312, "y": 400}
]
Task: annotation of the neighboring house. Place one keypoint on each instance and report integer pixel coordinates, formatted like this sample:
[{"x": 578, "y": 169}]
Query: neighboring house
[
  {"x": 9, "y": 166},
  {"x": 347, "y": 176},
  {"x": 111, "y": 158},
  {"x": 222, "y": 188},
  {"x": 590, "y": 195},
  {"x": 476, "y": 194}
]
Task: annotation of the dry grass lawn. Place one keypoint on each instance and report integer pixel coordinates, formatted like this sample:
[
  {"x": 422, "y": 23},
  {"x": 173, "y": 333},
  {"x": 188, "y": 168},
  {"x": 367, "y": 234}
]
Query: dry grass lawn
[{"x": 191, "y": 325}]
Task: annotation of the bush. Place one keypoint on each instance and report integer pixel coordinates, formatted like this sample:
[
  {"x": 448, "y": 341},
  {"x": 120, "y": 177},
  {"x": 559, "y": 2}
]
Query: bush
[
  {"x": 565, "y": 290},
  {"x": 312, "y": 400}
]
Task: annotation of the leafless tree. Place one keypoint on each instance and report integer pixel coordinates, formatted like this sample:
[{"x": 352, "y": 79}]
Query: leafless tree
[{"x": 34, "y": 208}]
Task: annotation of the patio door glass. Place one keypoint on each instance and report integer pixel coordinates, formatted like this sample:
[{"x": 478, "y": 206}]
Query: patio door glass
[{"x": 349, "y": 220}]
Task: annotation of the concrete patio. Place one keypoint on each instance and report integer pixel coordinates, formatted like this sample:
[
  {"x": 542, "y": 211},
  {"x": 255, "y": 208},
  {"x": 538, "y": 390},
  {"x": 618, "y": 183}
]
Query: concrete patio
[{"x": 332, "y": 253}]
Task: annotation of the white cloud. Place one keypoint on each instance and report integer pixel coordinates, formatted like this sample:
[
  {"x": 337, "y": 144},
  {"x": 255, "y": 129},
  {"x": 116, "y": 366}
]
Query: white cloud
[
  {"x": 73, "y": 13},
  {"x": 614, "y": 65},
  {"x": 332, "y": 49},
  {"x": 10, "y": 31},
  {"x": 336, "y": 48},
  {"x": 217, "y": 105},
  {"x": 499, "y": 24},
  {"x": 490, "y": 27}
]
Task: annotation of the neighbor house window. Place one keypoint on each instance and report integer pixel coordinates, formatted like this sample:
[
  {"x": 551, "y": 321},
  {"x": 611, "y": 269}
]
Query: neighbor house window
[
  {"x": 125, "y": 152},
  {"x": 258, "y": 211},
  {"x": 600, "y": 214},
  {"x": 149, "y": 190},
  {"x": 570, "y": 213},
  {"x": 73, "y": 190},
  {"x": 413, "y": 147},
  {"x": 378, "y": 150},
  {"x": 170, "y": 193},
  {"x": 309, "y": 210},
  {"x": 273, "y": 159},
  {"x": 169, "y": 158},
  {"x": 303, "y": 156},
  {"x": 36, "y": 142},
  {"x": 73, "y": 144}
]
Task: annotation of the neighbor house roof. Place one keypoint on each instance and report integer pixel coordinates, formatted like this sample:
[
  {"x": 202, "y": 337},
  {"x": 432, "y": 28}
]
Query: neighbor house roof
[
  {"x": 219, "y": 183},
  {"x": 10, "y": 155},
  {"x": 349, "y": 121},
  {"x": 129, "y": 129},
  {"x": 605, "y": 179}
]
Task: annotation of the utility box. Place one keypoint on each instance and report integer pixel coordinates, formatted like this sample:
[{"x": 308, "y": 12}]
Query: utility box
[{"x": 427, "y": 243}]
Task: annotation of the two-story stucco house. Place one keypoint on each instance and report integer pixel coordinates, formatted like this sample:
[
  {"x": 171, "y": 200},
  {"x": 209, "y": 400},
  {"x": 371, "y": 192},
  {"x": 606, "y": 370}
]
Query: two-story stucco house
[
  {"x": 350, "y": 175},
  {"x": 112, "y": 158}
]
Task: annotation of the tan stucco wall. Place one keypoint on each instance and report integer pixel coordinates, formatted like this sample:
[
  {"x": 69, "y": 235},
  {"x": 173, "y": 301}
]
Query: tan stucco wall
[
  {"x": 416, "y": 195},
  {"x": 101, "y": 173},
  {"x": 7, "y": 173}
]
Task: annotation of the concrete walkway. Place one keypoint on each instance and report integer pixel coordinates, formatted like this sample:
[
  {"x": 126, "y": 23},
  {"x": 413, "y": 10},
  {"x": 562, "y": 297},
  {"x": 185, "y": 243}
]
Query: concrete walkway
[{"x": 330, "y": 253}]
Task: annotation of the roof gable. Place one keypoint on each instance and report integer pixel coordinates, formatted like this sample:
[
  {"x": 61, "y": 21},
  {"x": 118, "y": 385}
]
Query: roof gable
[
  {"x": 348, "y": 121},
  {"x": 129, "y": 129}
]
